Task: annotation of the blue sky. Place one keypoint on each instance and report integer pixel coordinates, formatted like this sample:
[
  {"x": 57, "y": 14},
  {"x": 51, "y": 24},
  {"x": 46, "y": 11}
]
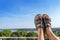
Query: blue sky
[{"x": 21, "y": 13}]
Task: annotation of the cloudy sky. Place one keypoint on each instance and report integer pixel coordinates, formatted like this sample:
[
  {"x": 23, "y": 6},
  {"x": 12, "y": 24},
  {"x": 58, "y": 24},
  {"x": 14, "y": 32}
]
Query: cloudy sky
[{"x": 20, "y": 13}]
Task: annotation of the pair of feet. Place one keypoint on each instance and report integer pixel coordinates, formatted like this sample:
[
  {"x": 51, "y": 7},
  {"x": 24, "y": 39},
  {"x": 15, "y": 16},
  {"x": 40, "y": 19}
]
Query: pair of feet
[
  {"x": 43, "y": 26},
  {"x": 42, "y": 21}
]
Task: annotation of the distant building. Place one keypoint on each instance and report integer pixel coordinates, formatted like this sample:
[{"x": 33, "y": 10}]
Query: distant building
[{"x": 56, "y": 30}]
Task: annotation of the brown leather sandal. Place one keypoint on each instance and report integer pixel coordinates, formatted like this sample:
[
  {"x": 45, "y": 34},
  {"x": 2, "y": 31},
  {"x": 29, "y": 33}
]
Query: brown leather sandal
[
  {"x": 38, "y": 21},
  {"x": 46, "y": 20}
]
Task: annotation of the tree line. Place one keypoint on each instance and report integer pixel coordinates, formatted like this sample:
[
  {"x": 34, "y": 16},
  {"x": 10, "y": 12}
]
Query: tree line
[{"x": 19, "y": 33}]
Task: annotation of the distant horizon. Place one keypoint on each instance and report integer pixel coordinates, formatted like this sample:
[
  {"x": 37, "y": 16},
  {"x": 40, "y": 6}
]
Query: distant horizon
[{"x": 24, "y": 28}]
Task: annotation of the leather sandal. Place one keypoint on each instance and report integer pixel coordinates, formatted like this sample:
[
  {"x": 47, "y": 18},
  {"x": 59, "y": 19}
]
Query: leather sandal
[
  {"x": 46, "y": 20},
  {"x": 38, "y": 21}
]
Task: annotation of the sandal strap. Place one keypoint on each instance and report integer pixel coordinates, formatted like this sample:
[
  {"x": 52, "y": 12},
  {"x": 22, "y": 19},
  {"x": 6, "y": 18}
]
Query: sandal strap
[
  {"x": 38, "y": 22},
  {"x": 47, "y": 21},
  {"x": 39, "y": 27},
  {"x": 48, "y": 25}
]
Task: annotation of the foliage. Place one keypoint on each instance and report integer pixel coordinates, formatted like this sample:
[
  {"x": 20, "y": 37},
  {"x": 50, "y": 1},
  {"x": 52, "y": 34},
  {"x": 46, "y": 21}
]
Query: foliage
[
  {"x": 58, "y": 34},
  {"x": 14, "y": 34},
  {"x": 21, "y": 33},
  {"x": 32, "y": 34},
  {"x": 1, "y": 34},
  {"x": 6, "y": 33}
]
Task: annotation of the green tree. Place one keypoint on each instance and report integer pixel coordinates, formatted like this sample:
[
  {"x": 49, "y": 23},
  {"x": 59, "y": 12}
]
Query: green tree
[
  {"x": 31, "y": 34},
  {"x": 58, "y": 34},
  {"x": 1, "y": 34},
  {"x": 22, "y": 33},
  {"x": 14, "y": 34},
  {"x": 6, "y": 33}
]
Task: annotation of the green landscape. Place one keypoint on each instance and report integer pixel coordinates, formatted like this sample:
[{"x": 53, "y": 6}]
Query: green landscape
[{"x": 19, "y": 33}]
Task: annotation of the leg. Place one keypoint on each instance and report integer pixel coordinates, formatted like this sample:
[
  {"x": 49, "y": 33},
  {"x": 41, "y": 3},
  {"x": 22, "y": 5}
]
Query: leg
[
  {"x": 38, "y": 24},
  {"x": 48, "y": 30},
  {"x": 51, "y": 34},
  {"x": 40, "y": 34}
]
